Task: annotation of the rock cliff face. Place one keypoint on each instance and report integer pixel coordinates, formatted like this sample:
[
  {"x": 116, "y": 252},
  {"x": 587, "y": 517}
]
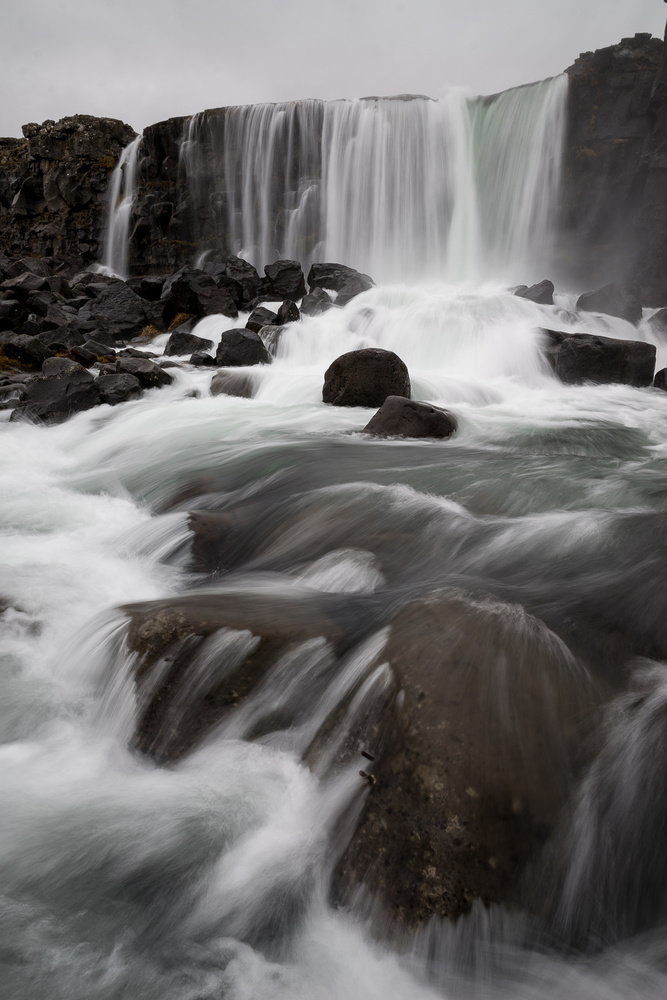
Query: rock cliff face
[
  {"x": 53, "y": 186},
  {"x": 53, "y": 182},
  {"x": 615, "y": 197}
]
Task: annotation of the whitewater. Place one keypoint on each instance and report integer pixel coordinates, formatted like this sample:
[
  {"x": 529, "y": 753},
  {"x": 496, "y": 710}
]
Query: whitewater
[{"x": 209, "y": 877}]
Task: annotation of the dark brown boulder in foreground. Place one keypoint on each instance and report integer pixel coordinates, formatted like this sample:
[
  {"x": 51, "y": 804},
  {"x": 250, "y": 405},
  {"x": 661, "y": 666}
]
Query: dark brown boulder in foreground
[
  {"x": 614, "y": 300},
  {"x": 581, "y": 357},
  {"x": 365, "y": 378},
  {"x": 401, "y": 417},
  {"x": 473, "y": 779}
]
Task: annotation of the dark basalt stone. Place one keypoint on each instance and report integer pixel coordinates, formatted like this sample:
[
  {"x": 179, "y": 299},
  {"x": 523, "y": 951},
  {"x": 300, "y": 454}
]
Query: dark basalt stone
[
  {"x": 285, "y": 280},
  {"x": 28, "y": 351},
  {"x": 53, "y": 399},
  {"x": 115, "y": 389},
  {"x": 195, "y": 293},
  {"x": 238, "y": 348},
  {"x": 660, "y": 380},
  {"x": 245, "y": 276},
  {"x": 288, "y": 313},
  {"x": 316, "y": 302},
  {"x": 114, "y": 308},
  {"x": 542, "y": 293},
  {"x": 21, "y": 287},
  {"x": 260, "y": 317},
  {"x": 181, "y": 343},
  {"x": 336, "y": 277},
  {"x": 63, "y": 338},
  {"x": 614, "y": 300},
  {"x": 149, "y": 374},
  {"x": 409, "y": 418},
  {"x": 365, "y": 378},
  {"x": 202, "y": 360},
  {"x": 581, "y": 357}
]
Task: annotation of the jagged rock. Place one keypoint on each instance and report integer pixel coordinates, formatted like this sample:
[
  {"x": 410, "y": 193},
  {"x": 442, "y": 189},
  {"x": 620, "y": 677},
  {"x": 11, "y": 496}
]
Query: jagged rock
[
  {"x": 246, "y": 277},
  {"x": 614, "y": 300},
  {"x": 195, "y": 293},
  {"x": 21, "y": 287},
  {"x": 90, "y": 352},
  {"x": 62, "y": 338},
  {"x": 238, "y": 348},
  {"x": 287, "y": 313},
  {"x": 148, "y": 286},
  {"x": 316, "y": 302},
  {"x": 260, "y": 317},
  {"x": 231, "y": 383},
  {"x": 285, "y": 280},
  {"x": 115, "y": 389},
  {"x": 116, "y": 309},
  {"x": 53, "y": 399},
  {"x": 365, "y": 378},
  {"x": 401, "y": 417},
  {"x": 581, "y": 357},
  {"x": 28, "y": 351},
  {"x": 202, "y": 360},
  {"x": 542, "y": 293},
  {"x": 181, "y": 343},
  {"x": 60, "y": 366}
]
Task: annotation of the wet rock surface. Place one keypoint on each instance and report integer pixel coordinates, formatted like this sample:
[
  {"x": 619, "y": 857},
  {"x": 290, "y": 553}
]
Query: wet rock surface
[
  {"x": 409, "y": 418},
  {"x": 365, "y": 378},
  {"x": 581, "y": 357}
]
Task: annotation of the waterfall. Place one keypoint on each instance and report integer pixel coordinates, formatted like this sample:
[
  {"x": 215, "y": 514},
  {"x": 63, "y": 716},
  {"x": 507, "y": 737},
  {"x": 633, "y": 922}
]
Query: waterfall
[
  {"x": 122, "y": 192},
  {"x": 404, "y": 187}
]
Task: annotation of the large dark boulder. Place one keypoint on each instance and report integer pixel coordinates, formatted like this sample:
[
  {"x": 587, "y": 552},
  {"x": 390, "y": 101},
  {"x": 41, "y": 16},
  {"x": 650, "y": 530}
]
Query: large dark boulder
[
  {"x": 660, "y": 380},
  {"x": 581, "y": 357},
  {"x": 401, "y": 417},
  {"x": 365, "y": 378},
  {"x": 115, "y": 308},
  {"x": 614, "y": 300},
  {"x": 336, "y": 277},
  {"x": 246, "y": 277},
  {"x": 288, "y": 313},
  {"x": 181, "y": 343},
  {"x": 115, "y": 389},
  {"x": 195, "y": 293},
  {"x": 238, "y": 348},
  {"x": 149, "y": 374},
  {"x": 53, "y": 399},
  {"x": 22, "y": 286},
  {"x": 284, "y": 280},
  {"x": 542, "y": 293},
  {"x": 62, "y": 338}
]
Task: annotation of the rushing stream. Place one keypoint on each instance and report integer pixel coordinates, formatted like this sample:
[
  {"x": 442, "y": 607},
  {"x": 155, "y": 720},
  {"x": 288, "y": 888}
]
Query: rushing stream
[{"x": 134, "y": 876}]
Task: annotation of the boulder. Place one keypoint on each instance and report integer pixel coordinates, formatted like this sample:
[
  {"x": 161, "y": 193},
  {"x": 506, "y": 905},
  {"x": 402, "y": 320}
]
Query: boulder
[
  {"x": 260, "y": 317},
  {"x": 316, "y": 302},
  {"x": 582, "y": 357},
  {"x": 285, "y": 280},
  {"x": 614, "y": 300},
  {"x": 53, "y": 399},
  {"x": 658, "y": 324},
  {"x": 401, "y": 417},
  {"x": 336, "y": 277},
  {"x": 62, "y": 338},
  {"x": 181, "y": 343},
  {"x": 21, "y": 287},
  {"x": 660, "y": 380},
  {"x": 231, "y": 383},
  {"x": 149, "y": 374},
  {"x": 195, "y": 293},
  {"x": 288, "y": 313},
  {"x": 238, "y": 348},
  {"x": 201, "y": 360},
  {"x": 365, "y": 378},
  {"x": 28, "y": 351},
  {"x": 542, "y": 293},
  {"x": 480, "y": 761},
  {"x": 11, "y": 311},
  {"x": 115, "y": 389},
  {"x": 245, "y": 276},
  {"x": 355, "y": 286},
  {"x": 60, "y": 366},
  {"x": 115, "y": 308}
]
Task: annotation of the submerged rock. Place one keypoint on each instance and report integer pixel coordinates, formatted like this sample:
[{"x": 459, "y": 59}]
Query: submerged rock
[
  {"x": 581, "y": 357},
  {"x": 401, "y": 417},
  {"x": 365, "y": 378},
  {"x": 231, "y": 383},
  {"x": 542, "y": 293},
  {"x": 316, "y": 302}
]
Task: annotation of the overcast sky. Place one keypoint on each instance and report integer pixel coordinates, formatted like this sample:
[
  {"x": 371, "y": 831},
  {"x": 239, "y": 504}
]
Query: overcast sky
[{"x": 145, "y": 60}]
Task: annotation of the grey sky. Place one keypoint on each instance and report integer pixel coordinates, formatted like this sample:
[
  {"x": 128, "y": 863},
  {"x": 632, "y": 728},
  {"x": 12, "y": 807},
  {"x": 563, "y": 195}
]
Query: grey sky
[{"x": 146, "y": 60}]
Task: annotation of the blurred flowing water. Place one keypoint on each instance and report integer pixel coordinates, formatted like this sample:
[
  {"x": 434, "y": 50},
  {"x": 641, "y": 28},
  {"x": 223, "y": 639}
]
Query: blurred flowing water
[{"x": 127, "y": 875}]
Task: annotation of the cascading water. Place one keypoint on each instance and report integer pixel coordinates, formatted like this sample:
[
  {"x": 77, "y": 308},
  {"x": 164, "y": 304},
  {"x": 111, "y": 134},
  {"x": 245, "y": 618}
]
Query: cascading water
[
  {"x": 122, "y": 192},
  {"x": 401, "y": 188},
  {"x": 211, "y": 606}
]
